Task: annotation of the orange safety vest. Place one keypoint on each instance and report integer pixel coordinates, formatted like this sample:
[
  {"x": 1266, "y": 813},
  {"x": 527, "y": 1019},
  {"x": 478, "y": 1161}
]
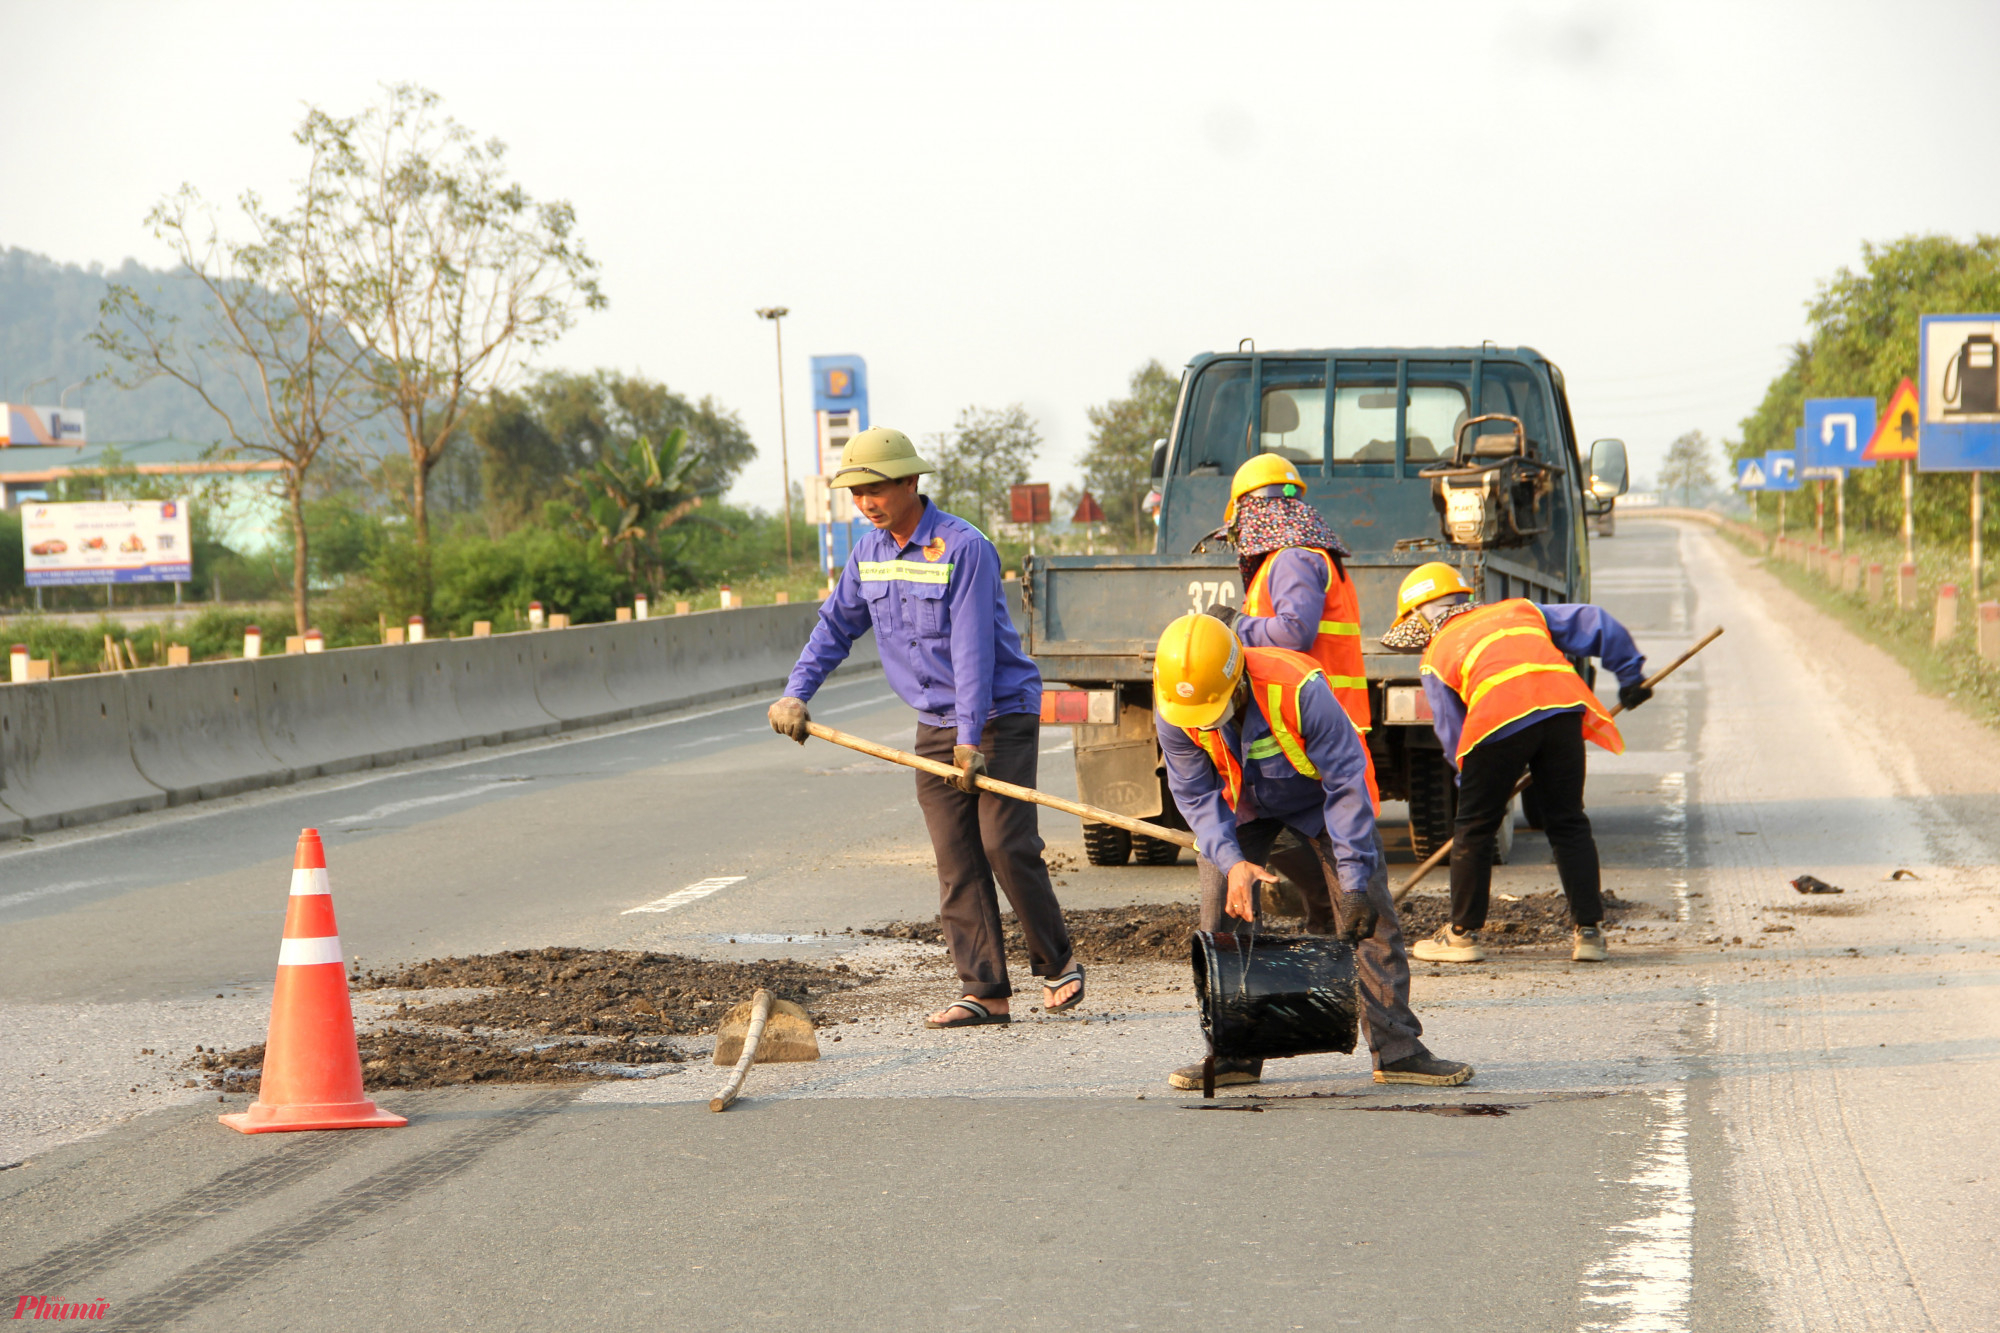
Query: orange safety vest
[
  {"x": 1501, "y": 661},
  {"x": 1277, "y": 677},
  {"x": 1337, "y": 646}
]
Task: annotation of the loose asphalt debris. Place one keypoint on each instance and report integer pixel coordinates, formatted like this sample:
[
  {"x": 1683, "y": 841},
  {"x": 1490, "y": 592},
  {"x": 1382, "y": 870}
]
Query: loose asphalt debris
[
  {"x": 1810, "y": 884},
  {"x": 551, "y": 1015},
  {"x": 1151, "y": 932}
]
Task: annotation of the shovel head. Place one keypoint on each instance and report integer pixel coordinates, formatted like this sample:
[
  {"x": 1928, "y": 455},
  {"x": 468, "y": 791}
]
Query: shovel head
[{"x": 788, "y": 1035}]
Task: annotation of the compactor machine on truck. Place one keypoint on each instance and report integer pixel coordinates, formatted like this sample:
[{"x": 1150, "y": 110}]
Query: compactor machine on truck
[{"x": 1466, "y": 455}]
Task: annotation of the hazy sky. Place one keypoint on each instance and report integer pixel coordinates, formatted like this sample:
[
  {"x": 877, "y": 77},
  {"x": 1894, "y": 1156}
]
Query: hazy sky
[{"x": 1002, "y": 202}]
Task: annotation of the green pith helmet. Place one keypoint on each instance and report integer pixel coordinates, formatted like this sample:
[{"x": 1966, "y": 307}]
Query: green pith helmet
[{"x": 876, "y": 455}]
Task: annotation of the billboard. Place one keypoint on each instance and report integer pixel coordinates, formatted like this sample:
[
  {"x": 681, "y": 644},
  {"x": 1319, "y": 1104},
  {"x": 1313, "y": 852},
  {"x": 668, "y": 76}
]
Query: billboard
[
  {"x": 109, "y": 541},
  {"x": 22, "y": 425}
]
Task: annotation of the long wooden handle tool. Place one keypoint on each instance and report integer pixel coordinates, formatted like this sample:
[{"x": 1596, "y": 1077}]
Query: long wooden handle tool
[
  {"x": 1179, "y": 837},
  {"x": 1430, "y": 864},
  {"x": 760, "y": 1014}
]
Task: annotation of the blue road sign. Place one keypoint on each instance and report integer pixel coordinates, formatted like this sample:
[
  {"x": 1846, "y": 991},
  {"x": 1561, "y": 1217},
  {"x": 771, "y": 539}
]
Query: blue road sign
[
  {"x": 1751, "y": 476},
  {"x": 1835, "y": 433},
  {"x": 1958, "y": 393},
  {"x": 1781, "y": 470}
]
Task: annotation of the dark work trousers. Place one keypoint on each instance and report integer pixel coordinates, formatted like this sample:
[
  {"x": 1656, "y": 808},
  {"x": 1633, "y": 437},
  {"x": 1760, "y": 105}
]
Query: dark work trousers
[
  {"x": 1381, "y": 967},
  {"x": 1294, "y": 858},
  {"x": 1552, "y": 751},
  {"x": 978, "y": 838}
]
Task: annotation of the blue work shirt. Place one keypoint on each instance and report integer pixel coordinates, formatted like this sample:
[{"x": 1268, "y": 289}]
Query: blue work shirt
[
  {"x": 1577, "y": 630},
  {"x": 1335, "y": 803},
  {"x": 939, "y": 614},
  {"x": 1297, "y": 589}
]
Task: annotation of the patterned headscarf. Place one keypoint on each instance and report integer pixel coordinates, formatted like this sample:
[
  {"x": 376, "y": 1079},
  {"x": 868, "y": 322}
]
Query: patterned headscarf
[
  {"x": 1414, "y": 632},
  {"x": 1267, "y": 523}
]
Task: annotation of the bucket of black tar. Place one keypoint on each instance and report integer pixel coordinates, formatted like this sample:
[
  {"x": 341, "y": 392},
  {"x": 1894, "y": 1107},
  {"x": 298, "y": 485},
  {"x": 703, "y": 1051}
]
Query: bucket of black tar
[{"x": 1264, "y": 997}]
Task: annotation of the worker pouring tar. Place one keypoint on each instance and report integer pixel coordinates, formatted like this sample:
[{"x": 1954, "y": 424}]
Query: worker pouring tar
[{"x": 1256, "y": 743}]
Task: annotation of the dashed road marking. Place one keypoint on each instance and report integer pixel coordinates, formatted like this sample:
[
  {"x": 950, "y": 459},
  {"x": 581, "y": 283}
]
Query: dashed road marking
[{"x": 692, "y": 893}]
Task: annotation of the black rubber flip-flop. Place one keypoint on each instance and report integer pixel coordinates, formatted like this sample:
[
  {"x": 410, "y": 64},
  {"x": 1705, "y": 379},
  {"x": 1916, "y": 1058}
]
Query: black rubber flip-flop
[
  {"x": 1057, "y": 983},
  {"x": 979, "y": 1016}
]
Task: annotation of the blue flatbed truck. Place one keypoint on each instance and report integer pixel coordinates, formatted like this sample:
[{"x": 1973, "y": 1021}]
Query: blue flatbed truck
[{"x": 1390, "y": 415}]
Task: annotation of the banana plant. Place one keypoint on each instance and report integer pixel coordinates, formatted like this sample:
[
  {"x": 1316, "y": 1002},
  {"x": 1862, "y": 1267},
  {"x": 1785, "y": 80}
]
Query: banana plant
[{"x": 627, "y": 502}]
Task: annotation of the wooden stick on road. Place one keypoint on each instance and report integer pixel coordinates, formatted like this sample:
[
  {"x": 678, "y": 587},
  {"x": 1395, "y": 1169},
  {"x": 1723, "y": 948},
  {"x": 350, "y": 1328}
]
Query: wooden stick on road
[
  {"x": 1179, "y": 837},
  {"x": 760, "y": 1014},
  {"x": 1442, "y": 852}
]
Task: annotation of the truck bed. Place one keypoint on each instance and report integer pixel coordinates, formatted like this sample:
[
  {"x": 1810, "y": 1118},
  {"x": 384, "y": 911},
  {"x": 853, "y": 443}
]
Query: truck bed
[{"x": 1093, "y": 619}]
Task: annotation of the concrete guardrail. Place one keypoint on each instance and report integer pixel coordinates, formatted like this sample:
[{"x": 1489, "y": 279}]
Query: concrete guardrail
[{"x": 87, "y": 748}]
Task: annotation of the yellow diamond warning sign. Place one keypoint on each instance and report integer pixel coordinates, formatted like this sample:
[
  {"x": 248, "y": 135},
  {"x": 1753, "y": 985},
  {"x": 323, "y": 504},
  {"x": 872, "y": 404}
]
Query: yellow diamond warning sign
[{"x": 1896, "y": 429}]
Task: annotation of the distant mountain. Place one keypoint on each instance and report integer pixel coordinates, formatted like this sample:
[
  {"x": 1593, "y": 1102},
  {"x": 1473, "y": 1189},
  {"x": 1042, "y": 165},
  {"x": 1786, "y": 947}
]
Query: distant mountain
[{"x": 47, "y": 313}]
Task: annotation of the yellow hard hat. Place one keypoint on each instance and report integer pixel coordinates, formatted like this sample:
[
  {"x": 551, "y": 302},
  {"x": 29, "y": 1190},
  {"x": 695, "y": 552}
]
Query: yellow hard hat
[
  {"x": 876, "y": 455},
  {"x": 1273, "y": 471},
  {"x": 1427, "y": 583},
  {"x": 1195, "y": 671}
]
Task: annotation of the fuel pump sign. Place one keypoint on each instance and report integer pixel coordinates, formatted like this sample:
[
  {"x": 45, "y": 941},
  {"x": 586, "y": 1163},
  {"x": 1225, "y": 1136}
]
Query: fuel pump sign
[
  {"x": 1959, "y": 395},
  {"x": 840, "y": 412}
]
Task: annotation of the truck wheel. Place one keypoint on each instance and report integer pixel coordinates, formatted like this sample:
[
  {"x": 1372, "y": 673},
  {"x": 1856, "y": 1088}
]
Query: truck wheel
[
  {"x": 1433, "y": 801},
  {"x": 1108, "y": 846},
  {"x": 1153, "y": 852}
]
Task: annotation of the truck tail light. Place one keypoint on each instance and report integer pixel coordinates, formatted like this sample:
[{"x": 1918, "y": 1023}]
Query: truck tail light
[
  {"x": 1097, "y": 708},
  {"x": 1407, "y": 706}
]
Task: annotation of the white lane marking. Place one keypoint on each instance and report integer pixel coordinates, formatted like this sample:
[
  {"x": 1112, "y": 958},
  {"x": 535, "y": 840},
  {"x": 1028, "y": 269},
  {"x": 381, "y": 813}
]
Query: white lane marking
[
  {"x": 1058, "y": 749},
  {"x": 309, "y": 952},
  {"x": 49, "y": 890},
  {"x": 153, "y": 822},
  {"x": 417, "y": 802},
  {"x": 865, "y": 703},
  {"x": 1645, "y": 1284},
  {"x": 692, "y": 893}
]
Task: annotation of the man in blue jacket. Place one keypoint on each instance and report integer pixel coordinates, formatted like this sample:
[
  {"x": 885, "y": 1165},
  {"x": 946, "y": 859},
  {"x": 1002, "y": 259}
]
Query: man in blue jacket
[{"x": 929, "y": 585}]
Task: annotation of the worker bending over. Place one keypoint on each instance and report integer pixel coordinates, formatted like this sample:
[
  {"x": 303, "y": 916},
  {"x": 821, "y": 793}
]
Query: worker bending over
[
  {"x": 1504, "y": 699},
  {"x": 1297, "y": 595},
  {"x": 1255, "y": 743},
  {"x": 929, "y": 585}
]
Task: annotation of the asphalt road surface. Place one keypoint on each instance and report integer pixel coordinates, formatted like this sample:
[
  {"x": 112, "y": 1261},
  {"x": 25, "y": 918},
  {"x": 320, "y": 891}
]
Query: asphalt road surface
[{"x": 1766, "y": 1111}]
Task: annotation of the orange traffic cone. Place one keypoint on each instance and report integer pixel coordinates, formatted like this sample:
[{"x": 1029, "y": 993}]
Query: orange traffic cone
[{"x": 312, "y": 1065}]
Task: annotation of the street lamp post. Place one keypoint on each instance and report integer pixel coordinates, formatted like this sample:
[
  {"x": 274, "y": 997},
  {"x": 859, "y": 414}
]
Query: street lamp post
[{"x": 776, "y": 314}]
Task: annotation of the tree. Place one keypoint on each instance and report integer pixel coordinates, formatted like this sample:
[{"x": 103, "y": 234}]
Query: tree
[
  {"x": 588, "y": 415},
  {"x": 1118, "y": 466},
  {"x": 1861, "y": 341},
  {"x": 629, "y": 501},
  {"x": 269, "y": 354},
  {"x": 988, "y": 450},
  {"x": 1690, "y": 466},
  {"x": 448, "y": 273}
]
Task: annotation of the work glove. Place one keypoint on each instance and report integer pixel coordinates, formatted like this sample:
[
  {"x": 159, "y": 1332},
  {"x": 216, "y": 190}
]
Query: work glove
[
  {"x": 1244, "y": 877},
  {"x": 970, "y": 763},
  {"x": 1631, "y": 696},
  {"x": 789, "y": 717},
  {"x": 1225, "y": 613},
  {"x": 1358, "y": 918}
]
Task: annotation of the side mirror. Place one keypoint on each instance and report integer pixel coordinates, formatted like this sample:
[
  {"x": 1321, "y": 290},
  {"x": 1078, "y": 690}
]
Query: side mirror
[
  {"x": 1159, "y": 459},
  {"x": 1610, "y": 472}
]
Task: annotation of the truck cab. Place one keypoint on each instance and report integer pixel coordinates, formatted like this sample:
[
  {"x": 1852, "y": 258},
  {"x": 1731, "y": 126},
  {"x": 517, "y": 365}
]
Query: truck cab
[{"x": 1362, "y": 425}]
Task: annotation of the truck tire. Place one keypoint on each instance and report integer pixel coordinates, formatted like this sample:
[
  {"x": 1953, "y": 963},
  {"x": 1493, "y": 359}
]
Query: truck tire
[
  {"x": 1153, "y": 852},
  {"x": 1104, "y": 845},
  {"x": 1433, "y": 801}
]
